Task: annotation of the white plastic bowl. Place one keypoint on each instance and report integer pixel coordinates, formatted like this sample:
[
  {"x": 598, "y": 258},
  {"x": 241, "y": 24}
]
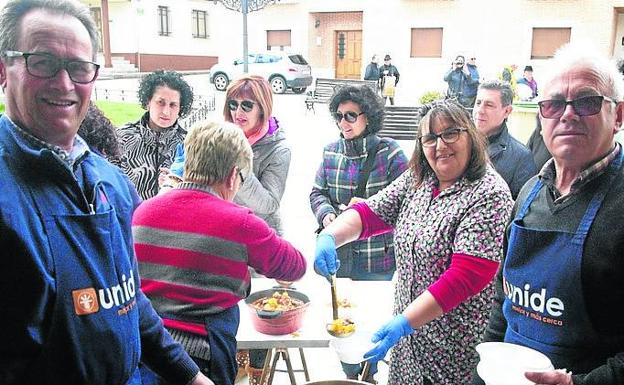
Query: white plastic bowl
[
  {"x": 351, "y": 349},
  {"x": 503, "y": 363}
]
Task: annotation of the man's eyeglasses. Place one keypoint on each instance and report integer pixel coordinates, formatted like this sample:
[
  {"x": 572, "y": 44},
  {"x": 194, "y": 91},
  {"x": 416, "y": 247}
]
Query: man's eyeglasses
[
  {"x": 46, "y": 66},
  {"x": 240, "y": 174},
  {"x": 349, "y": 116},
  {"x": 448, "y": 136},
  {"x": 585, "y": 106},
  {"x": 246, "y": 105}
]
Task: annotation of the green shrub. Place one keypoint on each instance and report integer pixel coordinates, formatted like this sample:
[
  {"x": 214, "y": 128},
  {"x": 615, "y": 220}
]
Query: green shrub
[{"x": 431, "y": 96}]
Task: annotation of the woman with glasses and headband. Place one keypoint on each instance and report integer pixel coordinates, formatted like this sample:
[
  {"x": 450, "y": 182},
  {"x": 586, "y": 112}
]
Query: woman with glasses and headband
[
  {"x": 194, "y": 247},
  {"x": 149, "y": 145},
  {"x": 249, "y": 105},
  {"x": 448, "y": 213},
  {"x": 355, "y": 167}
]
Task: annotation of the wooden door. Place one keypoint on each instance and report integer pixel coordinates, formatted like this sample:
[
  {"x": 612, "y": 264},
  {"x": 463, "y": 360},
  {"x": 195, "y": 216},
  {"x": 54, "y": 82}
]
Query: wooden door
[{"x": 348, "y": 54}]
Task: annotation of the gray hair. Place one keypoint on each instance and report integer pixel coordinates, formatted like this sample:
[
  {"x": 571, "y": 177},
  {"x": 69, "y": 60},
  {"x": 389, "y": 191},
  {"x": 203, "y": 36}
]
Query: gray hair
[
  {"x": 575, "y": 55},
  {"x": 212, "y": 150},
  {"x": 506, "y": 93},
  {"x": 15, "y": 10}
]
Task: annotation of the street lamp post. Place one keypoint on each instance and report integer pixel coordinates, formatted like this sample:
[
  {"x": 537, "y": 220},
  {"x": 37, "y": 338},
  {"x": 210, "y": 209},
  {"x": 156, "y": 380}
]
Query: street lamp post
[{"x": 246, "y": 6}]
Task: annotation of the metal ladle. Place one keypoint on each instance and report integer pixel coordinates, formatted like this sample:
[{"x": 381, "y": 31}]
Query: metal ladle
[{"x": 335, "y": 311}]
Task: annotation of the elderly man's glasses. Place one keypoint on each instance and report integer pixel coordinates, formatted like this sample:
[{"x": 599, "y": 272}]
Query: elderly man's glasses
[
  {"x": 349, "y": 116},
  {"x": 46, "y": 66},
  {"x": 240, "y": 174},
  {"x": 585, "y": 106},
  {"x": 448, "y": 136},
  {"x": 246, "y": 105}
]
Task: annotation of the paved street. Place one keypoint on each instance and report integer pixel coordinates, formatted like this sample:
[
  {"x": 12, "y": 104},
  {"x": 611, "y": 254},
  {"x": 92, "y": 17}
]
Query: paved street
[{"x": 307, "y": 133}]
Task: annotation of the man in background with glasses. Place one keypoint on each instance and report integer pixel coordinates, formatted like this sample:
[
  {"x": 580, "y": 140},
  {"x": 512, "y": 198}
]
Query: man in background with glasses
[
  {"x": 73, "y": 310},
  {"x": 511, "y": 159},
  {"x": 560, "y": 289}
]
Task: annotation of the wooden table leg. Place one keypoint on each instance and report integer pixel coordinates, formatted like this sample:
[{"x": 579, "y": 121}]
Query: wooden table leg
[
  {"x": 289, "y": 367},
  {"x": 267, "y": 365},
  {"x": 305, "y": 365},
  {"x": 273, "y": 366}
]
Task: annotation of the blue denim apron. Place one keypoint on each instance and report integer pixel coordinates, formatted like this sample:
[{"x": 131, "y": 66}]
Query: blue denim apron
[
  {"x": 544, "y": 301},
  {"x": 94, "y": 331}
]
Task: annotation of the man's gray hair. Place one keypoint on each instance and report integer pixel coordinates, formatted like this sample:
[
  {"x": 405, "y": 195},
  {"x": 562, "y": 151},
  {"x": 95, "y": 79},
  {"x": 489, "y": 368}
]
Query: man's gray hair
[
  {"x": 585, "y": 56},
  {"x": 506, "y": 93},
  {"x": 213, "y": 149},
  {"x": 13, "y": 12}
]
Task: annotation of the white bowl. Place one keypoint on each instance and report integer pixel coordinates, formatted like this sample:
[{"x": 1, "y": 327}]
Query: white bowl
[
  {"x": 351, "y": 349},
  {"x": 503, "y": 363}
]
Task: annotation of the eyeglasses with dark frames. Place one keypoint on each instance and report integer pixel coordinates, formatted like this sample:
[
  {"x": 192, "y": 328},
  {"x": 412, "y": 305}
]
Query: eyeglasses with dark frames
[
  {"x": 246, "y": 105},
  {"x": 349, "y": 116},
  {"x": 46, "y": 66},
  {"x": 240, "y": 174},
  {"x": 448, "y": 136},
  {"x": 583, "y": 106}
]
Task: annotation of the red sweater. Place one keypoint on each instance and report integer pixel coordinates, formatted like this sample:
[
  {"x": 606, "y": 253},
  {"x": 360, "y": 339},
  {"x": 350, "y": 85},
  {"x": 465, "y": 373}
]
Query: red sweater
[{"x": 194, "y": 250}]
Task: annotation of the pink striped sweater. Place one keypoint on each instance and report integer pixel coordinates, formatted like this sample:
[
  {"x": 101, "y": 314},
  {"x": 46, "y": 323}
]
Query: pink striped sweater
[{"x": 194, "y": 250}]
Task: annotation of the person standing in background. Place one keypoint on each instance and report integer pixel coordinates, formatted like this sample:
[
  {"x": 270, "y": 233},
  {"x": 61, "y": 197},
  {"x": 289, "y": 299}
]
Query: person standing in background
[
  {"x": 511, "y": 159},
  {"x": 372, "y": 70},
  {"x": 469, "y": 94},
  {"x": 389, "y": 78},
  {"x": 459, "y": 80},
  {"x": 149, "y": 144},
  {"x": 528, "y": 80}
]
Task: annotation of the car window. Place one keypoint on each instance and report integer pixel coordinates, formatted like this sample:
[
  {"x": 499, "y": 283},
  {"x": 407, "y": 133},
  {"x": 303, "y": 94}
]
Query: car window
[
  {"x": 251, "y": 59},
  {"x": 297, "y": 59},
  {"x": 274, "y": 58}
]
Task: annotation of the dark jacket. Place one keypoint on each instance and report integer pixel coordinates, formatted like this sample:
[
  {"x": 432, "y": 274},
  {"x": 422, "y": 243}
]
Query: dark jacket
[
  {"x": 537, "y": 147},
  {"x": 372, "y": 72},
  {"x": 390, "y": 70},
  {"x": 511, "y": 159}
]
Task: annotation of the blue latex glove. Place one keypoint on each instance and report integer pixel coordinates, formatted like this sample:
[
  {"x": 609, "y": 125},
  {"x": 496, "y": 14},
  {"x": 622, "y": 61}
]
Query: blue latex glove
[
  {"x": 177, "y": 167},
  {"x": 326, "y": 262},
  {"x": 388, "y": 336}
]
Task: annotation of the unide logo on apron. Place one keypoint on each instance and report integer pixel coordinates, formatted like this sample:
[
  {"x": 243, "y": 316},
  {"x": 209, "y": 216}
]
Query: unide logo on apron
[
  {"x": 534, "y": 304},
  {"x": 86, "y": 301}
]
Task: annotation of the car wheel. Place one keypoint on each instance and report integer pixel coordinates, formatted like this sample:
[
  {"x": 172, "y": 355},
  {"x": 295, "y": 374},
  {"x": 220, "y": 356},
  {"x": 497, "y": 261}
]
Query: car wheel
[
  {"x": 221, "y": 82},
  {"x": 278, "y": 85},
  {"x": 299, "y": 90}
]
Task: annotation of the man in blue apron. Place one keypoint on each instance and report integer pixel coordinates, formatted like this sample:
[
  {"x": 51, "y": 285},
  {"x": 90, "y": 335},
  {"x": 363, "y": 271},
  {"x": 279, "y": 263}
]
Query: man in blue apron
[
  {"x": 561, "y": 285},
  {"x": 72, "y": 308}
]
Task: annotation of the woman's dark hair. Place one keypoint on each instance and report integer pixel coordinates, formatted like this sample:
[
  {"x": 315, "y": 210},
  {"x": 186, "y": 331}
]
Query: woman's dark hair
[
  {"x": 370, "y": 104},
  {"x": 100, "y": 134},
  {"x": 170, "y": 79},
  {"x": 454, "y": 113}
]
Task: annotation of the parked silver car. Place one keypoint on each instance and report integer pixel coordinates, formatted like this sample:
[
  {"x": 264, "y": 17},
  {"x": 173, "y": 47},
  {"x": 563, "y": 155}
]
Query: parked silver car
[{"x": 283, "y": 70}]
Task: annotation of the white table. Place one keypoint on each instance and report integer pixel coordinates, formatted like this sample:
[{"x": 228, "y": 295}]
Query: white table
[{"x": 372, "y": 306}]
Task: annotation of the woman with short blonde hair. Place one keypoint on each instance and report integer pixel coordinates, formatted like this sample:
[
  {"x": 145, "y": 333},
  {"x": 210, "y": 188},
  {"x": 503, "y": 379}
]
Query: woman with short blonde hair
[
  {"x": 195, "y": 247},
  {"x": 228, "y": 149}
]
